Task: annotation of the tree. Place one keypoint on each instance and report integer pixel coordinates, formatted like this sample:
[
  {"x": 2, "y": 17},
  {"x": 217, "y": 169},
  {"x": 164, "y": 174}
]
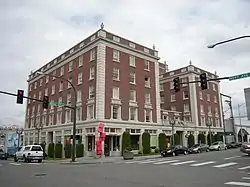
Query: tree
[
  {"x": 176, "y": 140},
  {"x": 146, "y": 143},
  {"x": 162, "y": 141},
  {"x": 126, "y": 142}
]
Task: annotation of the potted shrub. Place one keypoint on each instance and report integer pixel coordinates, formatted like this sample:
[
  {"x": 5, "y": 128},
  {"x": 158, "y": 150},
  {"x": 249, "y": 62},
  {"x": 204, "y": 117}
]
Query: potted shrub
[{"x": 127, "y": 154}]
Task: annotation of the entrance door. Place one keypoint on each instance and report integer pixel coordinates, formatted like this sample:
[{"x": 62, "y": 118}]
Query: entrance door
[{"x": 107, "y": 146}]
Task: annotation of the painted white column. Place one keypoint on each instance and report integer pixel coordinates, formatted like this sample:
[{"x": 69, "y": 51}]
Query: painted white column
[
  {"x": 100, "y": 81},
  {"x": 157, "y": 91}
]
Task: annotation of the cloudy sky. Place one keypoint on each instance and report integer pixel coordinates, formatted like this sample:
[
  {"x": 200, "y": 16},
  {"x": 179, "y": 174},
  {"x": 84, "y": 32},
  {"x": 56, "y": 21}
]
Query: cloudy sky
[{"x": 34, "y": 32}]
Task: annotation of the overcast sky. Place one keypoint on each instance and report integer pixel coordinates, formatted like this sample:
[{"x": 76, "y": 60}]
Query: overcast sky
[{"x": 34, "y": 32}]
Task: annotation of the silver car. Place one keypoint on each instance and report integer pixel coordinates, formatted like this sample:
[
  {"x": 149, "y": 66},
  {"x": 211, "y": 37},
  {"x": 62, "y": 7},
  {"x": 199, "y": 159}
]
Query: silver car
[
  {"x": 217, "y": 146},
  {"x": 245, "y": 148}
]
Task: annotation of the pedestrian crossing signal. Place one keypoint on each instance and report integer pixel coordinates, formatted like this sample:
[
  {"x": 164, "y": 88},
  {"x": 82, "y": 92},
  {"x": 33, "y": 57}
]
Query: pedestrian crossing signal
[{"x": 20, "y": 94}]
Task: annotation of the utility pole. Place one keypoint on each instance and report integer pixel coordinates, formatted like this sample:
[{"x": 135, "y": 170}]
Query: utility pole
[
  {"x": 19, "y": 132},
  {"x": 223, "y": 120},
  {"x": 232, "y": 116},
  {"x": 38, "y": 128},
  {"x": 239, "y": 113},
  {"x": 172, "y": 123}
]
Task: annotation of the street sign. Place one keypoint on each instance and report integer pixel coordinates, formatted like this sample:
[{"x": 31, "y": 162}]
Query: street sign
[
  {"x": 56, "y": 104},
  {"x": 241, "y": 76}
]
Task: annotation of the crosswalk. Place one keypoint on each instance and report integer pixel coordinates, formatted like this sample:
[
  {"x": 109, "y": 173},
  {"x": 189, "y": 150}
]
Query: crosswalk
[
  {"x": 244, "y": 181},
  {"x": 190, "y": 163},
  {"x": 19, "y": 164}
]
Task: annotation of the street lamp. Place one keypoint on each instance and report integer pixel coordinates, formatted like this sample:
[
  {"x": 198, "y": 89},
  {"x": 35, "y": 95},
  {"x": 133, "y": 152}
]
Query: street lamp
[
  {"x": 172, "y": 123},
  {"x": 74, "y": 112},
  {"x": 19, "y": 131},
  {"x": 241, "y": 133},
  {"x": 227, "y": 41},
  {"x": 38, "y": 127},
  {"x": 209, "y": 124}
]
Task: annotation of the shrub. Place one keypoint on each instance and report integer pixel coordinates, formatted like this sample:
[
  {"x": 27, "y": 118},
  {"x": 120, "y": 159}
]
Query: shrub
[
  {"x": 126, "y": 143},
  {"x": 190, "y": 140},
  {"x": 146, "y": 143},
  {"x": 79, "y": 150},
  {"x": 176, "y": 140},
  {"x": 67, "y": 150},
  {"x": 201, "y": 138},
  {"x": 162, "y": 141},
  {"x": 51, "y": 150},
  {"x": 58, "y": 150}
]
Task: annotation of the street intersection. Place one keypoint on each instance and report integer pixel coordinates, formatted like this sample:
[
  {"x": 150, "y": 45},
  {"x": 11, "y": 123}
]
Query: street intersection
[{"x": 217, "y": 169}]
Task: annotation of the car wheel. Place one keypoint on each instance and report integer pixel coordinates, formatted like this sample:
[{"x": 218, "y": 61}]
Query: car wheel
[
  {"x": 15, "y": 159},
  {"x": 25, "y": 159},
  {"x": 225, "y": 148},
  {"x": 207, "y": 150},
  {"x": 218, "y": 148},
  {"x": 199, "y": 151},
  {"x": 185, "y": 152},
  {"x": 173, "y": 154}
]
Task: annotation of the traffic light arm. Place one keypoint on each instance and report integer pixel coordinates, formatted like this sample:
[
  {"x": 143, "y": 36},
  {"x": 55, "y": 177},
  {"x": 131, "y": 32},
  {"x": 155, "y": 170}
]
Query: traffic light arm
[{"x": 216, "y": 79}]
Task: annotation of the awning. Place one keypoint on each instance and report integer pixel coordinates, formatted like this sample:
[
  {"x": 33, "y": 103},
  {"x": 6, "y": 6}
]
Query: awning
[{"x": 243, "y": 131}]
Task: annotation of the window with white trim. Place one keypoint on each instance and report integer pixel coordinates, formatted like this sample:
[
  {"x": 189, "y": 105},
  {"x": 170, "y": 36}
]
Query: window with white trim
[
  {"x": 90, "y": 114},
  {"x": 46, "y": 92},
  {"x": 51, "y": 119},
  {"x": 216, "y": 110},
  {"x": 215, "y": 99},
  {"x": 46, "y": 79},
  {"x": 62, "y": 71},
  {"x": 80, "y": 61},
  {"x": 61, "y": 86},
  {"x": 40, "y": 95},
  {"x": 184, "y": 81},
  {"x": 70, "y": 66},
  {"x": 132, "y": 95},
  {"x": 59, "y": 117},
  {"x": 79, "y": 78},
  {"x": 132, "y": 77},
  {"x": 202, "y": 109},
  {"x": 70, "y": 80},
  {"x": 79, "y": 95},
  {"x": 214, "y": 87},
  {"x": 161, "y": 87},
  {"x": 54, "y": 74},
  {"x": 68, "y": 116},
  {"x": 41, "y": 82},
  {"x": 35, "y": 86},
  {"x": 147, "y": 82},
  {"x": 146, "y": 65},
  {"x": 91, "y": 92},
  {"x": 173, "y": 98},
  {"x": 148, "y": 115},
  {"x": 79, "y": 114},
  {"x": 203, "y": 121},
  {"x": 173, "y": 108},
  {"x": 116, "y": 55},
  {"x": 60, "y": 101},
  {"x": 217, "y": 122},
  {"x": 162, "y": 99},
  {"x": 209, "y": 109},
  {"x": 115, "y": 111},
  {"x": 185, "y": 95},
  {"x": 147, "y": 97},
  {"x": 92, "y": 73},
  {"x": 133, "y": 113},
  {"x": 115, "y": 94},
  {"x": 53, "y": 89},
  {"x": 186, "y": 107},
  {"x": 68, "y": 99},
  {"x": 200, "y": 94},
  {"x": 92, "y": 54},
  {"x": 208, "y": 97},
  {"x": 132, "y": 60},
  {"x": 116, "y": 74}
]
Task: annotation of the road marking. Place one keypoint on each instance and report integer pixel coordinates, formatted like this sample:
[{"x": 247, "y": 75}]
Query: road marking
[
  {"x": 247, "y": 167},
  {"x": 15, "y": 164},
  {"x": 228, "y": 158},
  {"x": 180, "y": 163},
  {"x": 225, "y": 165},
  {"x": 150, "y": 161},
  {"x": 246, "y": 178},
  {"x": 203, "y": 163},
  {"x": 238, "y": 183},
  {"x": 165, "y": 162}
]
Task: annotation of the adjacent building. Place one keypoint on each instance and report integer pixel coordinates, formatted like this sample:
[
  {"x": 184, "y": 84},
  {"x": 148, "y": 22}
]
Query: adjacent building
[{"x": 247, "y": 100}]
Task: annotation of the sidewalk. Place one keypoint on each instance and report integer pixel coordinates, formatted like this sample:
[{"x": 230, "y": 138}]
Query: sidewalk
[{"x": 91, "y": 160}]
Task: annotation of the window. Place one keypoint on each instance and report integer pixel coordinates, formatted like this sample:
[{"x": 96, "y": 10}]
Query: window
[
  {"x": 214, "y": 87},
  {"x": 115, "y": 111},
  {"x": 80, "y": 61},
  {"x": 147, "y": 82},
  {"x": 161, "y": 87},
  {"x": 200, "y": 94},
  {"x": 173, "y": 97},
  {"x": 132, "y": 78},
  {"x": 51, "y": 119},
  {"x": 69, "y": 99},
  {"x": 132, "y": 60},
  {"x": 68, "y": 116},
  {"x": 62, "y": 71},
  {"x": 40, "y": 95},
  {"x": 79, "y": 114},
  {"x": 116, "y": 93},
  {"x": 70, "y": 66},
  {"x": 92, "y": 55},
  {"x": 36, "y": 148},
  {"x": 208, "y": 97},
  {"x": 116, "y": 55},
  {"x": 147, "y": 115},
  {"x": 47, "y": 79},
  {"x": 146, "y": 65},
  {"x": 53, "y": 90},
  {"x": 186, "y": 108},
  {"x": 202, "y": 108},
  {"x": 46, "y": 91},
  {"x": 116, "y": 74},
  {"x": 203, "y": 121},
  {"x": 92, "y": 73},
  {"x": 91, "y": 92},
  {"x": 132, "y": 113},
  {"x": 35, "y": 85},
  {"x": 69, "y": 85},
  {"x": 41, "y": 82},
  {"x": 59, "y": 117},
  {"x": 185, "y": 95},
  {"x": 147, "y": 98},
  {"x": 91, "y": 112},
  {"x": 79, "y": 95},
  {"x": 209, "y": 109},
  {"x": 79, "y": 80},
  {"x": 115, "y": 38},
  {"x": 54, "y": 74},
  {"x": 162, "y": 99},
  {"x": 184, "y": 80},
  {"x": 217, "y": 122},
  {"x": 132, "y": 96},
  {"x": 216, "y": 110},
  {"x": 61, "y": 86},
  {"x": 215, "y": 99}
]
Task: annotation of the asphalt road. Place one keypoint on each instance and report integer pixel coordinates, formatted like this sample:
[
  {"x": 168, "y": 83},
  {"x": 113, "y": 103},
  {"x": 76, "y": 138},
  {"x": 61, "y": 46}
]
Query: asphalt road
[{"x": 217, "y": 169}]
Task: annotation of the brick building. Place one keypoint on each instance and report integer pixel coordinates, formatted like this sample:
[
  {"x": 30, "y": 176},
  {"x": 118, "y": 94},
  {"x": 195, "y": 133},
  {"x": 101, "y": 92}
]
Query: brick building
[
  {"x": 195, "y": 106},
  {"x": 117, "y": 83}
]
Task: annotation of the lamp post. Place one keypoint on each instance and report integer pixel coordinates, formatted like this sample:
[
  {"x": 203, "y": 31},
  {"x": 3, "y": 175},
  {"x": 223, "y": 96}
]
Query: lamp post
[
  {"x": 19, "y": 131},
  {"x": 241, "y": 133},
  {"x": 38, "y": 127},
  {"x": 227, "y": 41},
  {"x": 172, "y": 123},
  {"x": 209, "y": 124},
  {"x": 74, "y": 113}
]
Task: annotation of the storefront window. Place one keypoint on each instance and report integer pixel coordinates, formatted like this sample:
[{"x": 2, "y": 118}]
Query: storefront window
[{"x": 116, "y": 143}]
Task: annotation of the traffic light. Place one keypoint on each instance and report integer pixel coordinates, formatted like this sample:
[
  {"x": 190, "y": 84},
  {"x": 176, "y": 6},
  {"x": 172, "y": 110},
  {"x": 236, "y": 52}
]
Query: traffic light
[
  {"x": 203, "y": 81},
  {"x": 19, "y": 99},
  {"x": 46, "y": 102},
  {"x": 177, "y": 84}
]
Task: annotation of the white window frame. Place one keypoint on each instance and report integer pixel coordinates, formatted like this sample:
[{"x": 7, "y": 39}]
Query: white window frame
[
  {"x": 62, "y": 71},
  {"x": 79, "y": 96},
  {"x": 41, "y": 82},
  {"x": 59, "y": 117},
  {"x": 200, "y": 95},
  {"x": 161, "y": 87},
  {"x": 116, "y": 93},
  {"x": 147, "y": 98},
  {"x": 79, "y": 78},
  {"x": 118, "y": 112},
  {"x": 92, "y": 55},
  {"x": 184, "y": 81},
  {"x": 70, "y": 66},
  {"x": 132, "y": 60},
  {"x": 132, "y": 77},
  {"x": 150, "y": 115},
  {"x": 215, "y": 99},
  {"x": 172, "y": 98},
  {"x": 208, "y": 98},
  {"x": 69, "y": 85},
  {"x": 116, "y": 55},
  {"x": 40, "y": 95},
  {"x": 91, "y": 92},
  {"x": 184, "y": 95},
  {"x": 46, "y": 79},
  {"x": 79, "y": 114},
  {"x": 136, "y": 113},
  {"x": 132, "y": 95},
  {"x": 92, "y": 73},
  {"x": 80, "y": 61},
  {"x": 91, "y": 108},
  {"x": 61, "y": 86},
  {"x": 202, "y": 109},
  {"x": 54, "y": 74},
  {"x": 46, "y": 92},
  {"x": 69, "y": 99},
  {"x": 186, "y": 107},
  {"x": 68, "y": 116},
  {"x": 53, "y": 89},
  {"x": 147, "y": 82},
  {"x": 116, "y": 74},
  {"x": 146, "y": 65}
]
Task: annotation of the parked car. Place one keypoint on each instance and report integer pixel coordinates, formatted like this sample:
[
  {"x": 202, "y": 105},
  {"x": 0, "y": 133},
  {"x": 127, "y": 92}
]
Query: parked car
[
  {"x": 3, "y": 155},
  {"x": 232, "y": 145},
  {"x": 198, "y": 148},
  {"x": 217, "y": 146},
  {"x": 245, "y": 148},
  {"x": 175, "y": 150},
  {"x": 29, "y": 153}
]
